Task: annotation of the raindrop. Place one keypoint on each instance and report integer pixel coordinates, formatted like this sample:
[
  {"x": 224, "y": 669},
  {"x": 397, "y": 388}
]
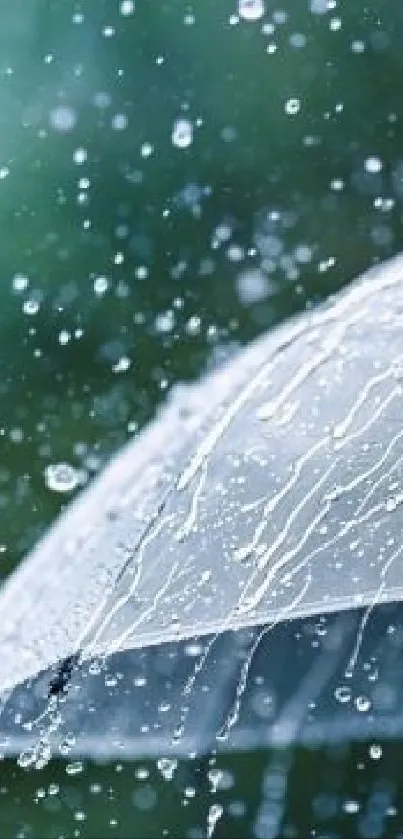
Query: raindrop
[
  {"x": 357, "y": 47},
  {"x": 100, "y": 286},
  {"x": 215, "y": 776},
  {"x": 375, "y": 751},
  {"x": 74, "y": 768},
  {"x": 363, "y": 704},
  {"x": 214, "y": 814},
  {"x": 61, "y": 477},
  {"x": 280, "y": 17},
  {"x": 53, "y": 789},
  {"x": 27, "y": 758},
  {"x": 20, "y": 282},
  {"x": 319, "y": 7},
  {"x": 122, "y": 365},
  {"x": 31, "y": 306},
  {"x": 165, "y": 322},
  {"x": 146, "y": 150},
  {"x": 42, "y": 754},
  {"x": 167, "y": 767},
  {"x": 119, "y": 122},
  {"x": 64, "y": 337},
  {"x": 342, "y": 694},
  {"x": 63, "y": 119},
  {"x": 182, "y": 133},
  {"x": 127, "y": 8},
  {"x": 193, "y": 326},
  {"x": 94, "y": 668},
  {"x": 251, "y": 10},
  {"x": 303, "y": 254},
  {"x": 252, "y": 286},
  {"x": 292, "y": 106},
  {"x": 373, "y": 165},
  {"x": 351, "y": 807},
  {"x": 80, "y": 156},
  {"x": 298, "y": 40},
  {"x": 66, "y": 745},
  {"x": 79, "y": 816}
]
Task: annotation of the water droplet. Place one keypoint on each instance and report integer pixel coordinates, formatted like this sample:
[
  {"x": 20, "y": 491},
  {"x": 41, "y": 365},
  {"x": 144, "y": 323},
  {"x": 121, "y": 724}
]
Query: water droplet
[
  {"x": 303, "y": 254},
  {"x": 64, "y": 337},
  {"x": 375, "y": 751},
  {"x": 127, "y": 8},
  {"x": 74, "y": 768},
  {"x": 351, "y": 807},
  {"x": 80, "y": 156},
  {"x": 342, "y": 694},
  {"x": 251, "y": 9},
  {"x": 373, "y": 165},
  {"x": 27, "y": 758},
  {"x": 391, "y": 504},
  {"x": 298, "y": 40},
  {"x": 252, "y": 286},
  {"x": 20, "y": 282},
  {"x": 63, "y": 119},
  {"x": 167, "y": 767},
  {"x": 100, "y": 286},
  {"x": 61, "y": 477},
  {"x": 66, "y": 745},
  {"x": 182, "y": 133},
  {"x": 214, "y": 777},
  {"x": 214, "y": 814},
  {"x": 292, "y": 106},
  {"x": 165, "y": 321},
  {"x": 31, "y": 306},
  {"x": 146, "y": 150},
  {"x": 119, "y": 122},
  {"x": 319, "y": 7},
  {"x": 53, "y": 789},
  {"x": 362, "y": 703},
  {"x": 357, "y": 47},
  {"x": 42, "y": 754}
]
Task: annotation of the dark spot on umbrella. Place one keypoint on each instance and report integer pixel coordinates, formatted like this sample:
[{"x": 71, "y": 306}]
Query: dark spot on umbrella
[{"x": 59, "y": 683}]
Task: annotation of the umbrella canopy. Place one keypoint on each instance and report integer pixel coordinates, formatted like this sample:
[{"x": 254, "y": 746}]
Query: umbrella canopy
[{"x": 266, "y": 494}]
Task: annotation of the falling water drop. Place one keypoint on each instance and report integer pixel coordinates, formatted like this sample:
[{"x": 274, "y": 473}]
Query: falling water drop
[
  {"x": 182, "y": 133},
  {"x": 61, "y": 477},
  {"x": 214, "y": 814},
  {"x": 251, "y": 10},
  {"x": 167, "y": 767}
]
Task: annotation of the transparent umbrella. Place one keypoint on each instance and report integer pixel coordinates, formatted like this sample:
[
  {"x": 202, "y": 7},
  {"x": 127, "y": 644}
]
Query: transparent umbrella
[{"x": 233, "y": 577}]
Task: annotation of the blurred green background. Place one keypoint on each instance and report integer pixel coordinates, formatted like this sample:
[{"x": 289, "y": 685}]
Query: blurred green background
[{"x": 174, "y": 179}]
